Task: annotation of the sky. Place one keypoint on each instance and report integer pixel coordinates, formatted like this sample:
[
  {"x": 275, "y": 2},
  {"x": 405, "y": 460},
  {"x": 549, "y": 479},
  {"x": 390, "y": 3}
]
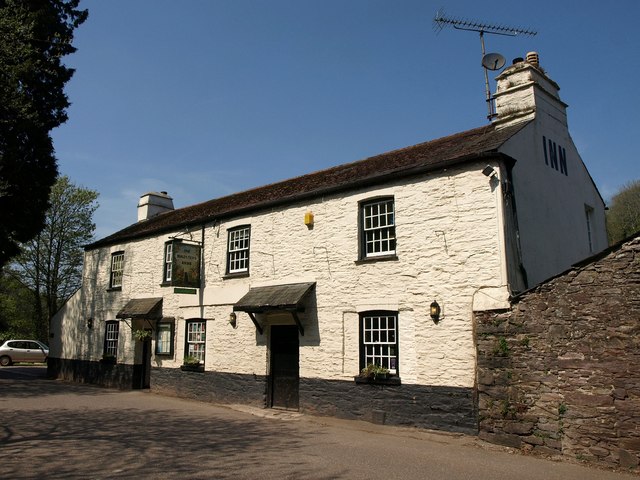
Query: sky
[{"x": 204, "y": 98}]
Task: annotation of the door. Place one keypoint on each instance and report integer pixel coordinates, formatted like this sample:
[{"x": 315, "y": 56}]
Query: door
[
  {"x": 284, "y": 366},
  {"x": 146, "y": 363}
]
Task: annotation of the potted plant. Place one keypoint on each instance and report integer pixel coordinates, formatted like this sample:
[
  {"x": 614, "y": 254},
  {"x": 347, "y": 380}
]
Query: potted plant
[
  {"x": 375, "y": 372},
  {"x": 108, "y": 359},
  {"x": 141, "y": 334},
  {"x": 192, "y": 364}
]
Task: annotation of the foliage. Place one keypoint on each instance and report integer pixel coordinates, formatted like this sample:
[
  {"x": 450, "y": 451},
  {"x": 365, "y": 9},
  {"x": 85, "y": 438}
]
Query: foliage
[
  {"x": 374, "y": 371},
  {"x": 51, "y": 264},
  {"x": 141, "y": 334},
  {"x": 501, "y": 348},
  {"x": 623, "y": 217},
  {"x": 191, "y": 360},
  {"x": 16, "y": 309},
  {"x": 35, "y": 34}
]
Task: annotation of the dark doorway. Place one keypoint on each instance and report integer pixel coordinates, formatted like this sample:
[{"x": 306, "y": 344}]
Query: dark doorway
[
  {"x": 146, "y": 363},
  {"x": 284, "y": 366},
  {"x": 142, "y": 371}
]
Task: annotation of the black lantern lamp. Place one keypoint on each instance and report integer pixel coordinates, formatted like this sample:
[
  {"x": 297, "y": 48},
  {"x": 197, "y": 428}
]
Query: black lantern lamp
[
  {"x": 90, "y": 323},
  {"x": 434, "y": 311},
  {"x": 233, "y": 319}
]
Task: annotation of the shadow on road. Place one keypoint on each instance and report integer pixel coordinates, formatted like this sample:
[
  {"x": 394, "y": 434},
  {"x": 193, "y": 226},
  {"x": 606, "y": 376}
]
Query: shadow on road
[{"x": 77, "y": 437}]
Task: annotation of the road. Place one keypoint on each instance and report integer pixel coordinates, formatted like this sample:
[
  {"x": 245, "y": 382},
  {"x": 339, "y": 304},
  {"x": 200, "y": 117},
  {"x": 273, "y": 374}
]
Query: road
[{"x": 57, "y": 430}]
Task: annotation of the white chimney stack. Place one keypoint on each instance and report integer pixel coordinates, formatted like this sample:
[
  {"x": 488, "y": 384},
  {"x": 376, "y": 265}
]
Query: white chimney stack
[
  {"x": 524, "y": 90},
  {"x": 154, "y": 203}
]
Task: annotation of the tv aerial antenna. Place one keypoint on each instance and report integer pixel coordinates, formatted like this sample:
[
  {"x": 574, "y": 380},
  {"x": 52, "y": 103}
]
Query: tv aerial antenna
[{"x": 490, "y": 61}]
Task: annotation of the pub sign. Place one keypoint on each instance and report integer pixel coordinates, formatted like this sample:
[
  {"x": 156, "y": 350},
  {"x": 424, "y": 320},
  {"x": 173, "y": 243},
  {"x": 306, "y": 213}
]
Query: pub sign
[{"x": 186, "y": 265}]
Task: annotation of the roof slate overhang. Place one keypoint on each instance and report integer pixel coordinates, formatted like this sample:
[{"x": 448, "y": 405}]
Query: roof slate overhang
[
  {"x": 464, "y": 147},
  {"x": 148, "y": 308},
  {"x": 286, "y": 298}
]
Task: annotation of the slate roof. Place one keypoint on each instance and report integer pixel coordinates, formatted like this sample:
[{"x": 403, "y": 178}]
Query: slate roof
[{"x": 433, "y": 155}]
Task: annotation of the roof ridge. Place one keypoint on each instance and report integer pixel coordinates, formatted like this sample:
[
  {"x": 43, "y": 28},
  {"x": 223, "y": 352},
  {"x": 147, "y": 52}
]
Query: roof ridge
[{"x": 432, "y": 154}]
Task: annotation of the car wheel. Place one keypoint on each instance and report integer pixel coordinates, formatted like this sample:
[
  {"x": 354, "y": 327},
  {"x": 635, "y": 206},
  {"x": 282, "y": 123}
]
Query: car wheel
[{"x": 5, "y": 361}]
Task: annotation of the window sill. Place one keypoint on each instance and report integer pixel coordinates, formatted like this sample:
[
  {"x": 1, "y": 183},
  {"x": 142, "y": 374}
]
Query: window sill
[
  {"x": 391, "y": 380},
  {"x": 108, "y": 361},
  {"x": 114, "y": 289},
  {"x": 235, "y": 275},
  {"x": 381, "y": 258},
  {"x": 192, "y": 368}
]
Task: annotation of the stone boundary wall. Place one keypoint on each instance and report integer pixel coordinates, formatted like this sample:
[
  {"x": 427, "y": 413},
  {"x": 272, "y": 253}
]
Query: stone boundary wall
[
  {"x": 440, "y": 408},
  {"x": 111, "y": 375},
  {"x": 559, "y": 373}
]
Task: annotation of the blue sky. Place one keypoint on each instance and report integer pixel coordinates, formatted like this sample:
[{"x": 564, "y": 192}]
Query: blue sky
[{"x": 203, "y": 98}]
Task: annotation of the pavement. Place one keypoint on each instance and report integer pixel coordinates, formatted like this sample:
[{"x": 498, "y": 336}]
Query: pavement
[{"x": 52, "y": 429}]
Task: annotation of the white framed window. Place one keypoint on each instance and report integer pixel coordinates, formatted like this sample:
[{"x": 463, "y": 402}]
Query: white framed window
[
  {"x": 164, "y": 339},
  {"x": 112, "y": 328},
  {"x": 379, "y": 340},
  {"x": 238, "y": 249},
  {"x": 378, "y": 228},
  {"x": 168, "y": 261},
  {"x": 195, "y": 337},
  {"x": 117, "y": 267},
  {"x": 588, "y": 213}
]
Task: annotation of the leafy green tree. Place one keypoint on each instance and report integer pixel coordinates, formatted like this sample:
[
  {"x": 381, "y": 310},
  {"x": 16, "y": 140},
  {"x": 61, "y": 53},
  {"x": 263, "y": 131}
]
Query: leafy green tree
[
  {"x": 623, "y": 217},
  {"x": 34, "y": 36},
  {"x": 51, "y": 264},
  {"x": 17, "y": 319}
]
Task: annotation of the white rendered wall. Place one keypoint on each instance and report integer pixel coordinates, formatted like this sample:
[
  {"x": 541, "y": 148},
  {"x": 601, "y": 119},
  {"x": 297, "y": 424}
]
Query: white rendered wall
[{"x": 449, "y": 249}]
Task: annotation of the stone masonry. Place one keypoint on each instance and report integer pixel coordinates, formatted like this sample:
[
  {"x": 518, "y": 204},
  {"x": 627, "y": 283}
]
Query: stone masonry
[{"x": 559, "y": 373}]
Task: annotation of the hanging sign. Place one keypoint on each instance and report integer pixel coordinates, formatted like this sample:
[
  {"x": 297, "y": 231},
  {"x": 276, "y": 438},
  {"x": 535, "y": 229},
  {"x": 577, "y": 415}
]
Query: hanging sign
[{"x": 186, "y": 265}]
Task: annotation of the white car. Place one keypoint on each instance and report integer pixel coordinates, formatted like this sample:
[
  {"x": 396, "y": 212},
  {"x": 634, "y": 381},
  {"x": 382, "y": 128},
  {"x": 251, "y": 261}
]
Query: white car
[{"x": 14, "y": 351}]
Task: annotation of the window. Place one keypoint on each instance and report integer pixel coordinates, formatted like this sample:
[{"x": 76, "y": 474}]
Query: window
[
  {"x": 111, "y": 338},
  {"x": 168, "y": 261},
  {"x": 379, "y": 340},
  {"x": 164, "y": 339},
  {"x": 378, "y": 228},
  {"x": 195, "y": 339},
  {"x": 238, "y": 250},
  {"x": 117, "y": 266},
  {"x": 589, "y": 218}
]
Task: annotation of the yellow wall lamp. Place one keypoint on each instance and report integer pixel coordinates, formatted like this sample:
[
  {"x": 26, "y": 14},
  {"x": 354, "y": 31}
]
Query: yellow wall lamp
[{"x": 434, "y": 311}]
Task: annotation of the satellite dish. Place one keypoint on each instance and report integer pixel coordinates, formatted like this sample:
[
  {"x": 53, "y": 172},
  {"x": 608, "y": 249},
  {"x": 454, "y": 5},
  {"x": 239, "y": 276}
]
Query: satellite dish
[{"x": 493, "y": 61}]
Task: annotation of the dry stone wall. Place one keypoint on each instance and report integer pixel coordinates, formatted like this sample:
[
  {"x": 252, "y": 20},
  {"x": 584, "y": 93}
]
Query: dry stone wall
[{"x": 559, "y": 373}]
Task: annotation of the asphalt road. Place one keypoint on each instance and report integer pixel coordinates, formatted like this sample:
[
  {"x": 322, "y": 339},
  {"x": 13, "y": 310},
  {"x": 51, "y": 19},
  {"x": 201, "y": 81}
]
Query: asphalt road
[{"x": 51, "y": 429}]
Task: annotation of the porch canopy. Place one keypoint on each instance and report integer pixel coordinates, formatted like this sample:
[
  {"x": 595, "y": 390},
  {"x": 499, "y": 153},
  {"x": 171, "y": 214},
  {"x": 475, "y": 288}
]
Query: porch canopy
[
  {"x": 276, "y": 298},
  {"x": 149, "y": 308}
]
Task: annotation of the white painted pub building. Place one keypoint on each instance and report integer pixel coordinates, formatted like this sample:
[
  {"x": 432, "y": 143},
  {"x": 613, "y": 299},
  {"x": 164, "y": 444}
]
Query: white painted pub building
[{"x": 279, "y": 296}]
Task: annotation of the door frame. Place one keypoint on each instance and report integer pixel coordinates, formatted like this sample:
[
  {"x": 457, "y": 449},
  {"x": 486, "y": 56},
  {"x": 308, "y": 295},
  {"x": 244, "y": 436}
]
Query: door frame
[{"x": 271, "y": 378}]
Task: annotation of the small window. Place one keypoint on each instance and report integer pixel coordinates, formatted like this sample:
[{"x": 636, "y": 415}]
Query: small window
[
  {"x": 379, "y": 340},
  {"x": 238, "y": 250},
  {"x": 111, "y": 339},
  {"x": 168, "y": 261},
  {"x": 196, "y": 333},
  {"x": 117, "y": 267},
  {"x": 164, "y": 339},
  {"x": 378, "y": 228},
  {"x": 588, "y": 211}
]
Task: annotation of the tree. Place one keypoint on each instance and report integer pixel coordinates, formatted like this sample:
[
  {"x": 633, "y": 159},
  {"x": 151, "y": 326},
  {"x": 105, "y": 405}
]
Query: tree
[
  {"x": 623, "y": 217},
  {"x": 16, "y": 308},
  {"x": 51, "y": 264},
  {"x": 35, "y": 35}
]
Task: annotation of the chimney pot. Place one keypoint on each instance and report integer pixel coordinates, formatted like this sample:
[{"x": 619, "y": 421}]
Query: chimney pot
[{"x": 533, "y": 59}]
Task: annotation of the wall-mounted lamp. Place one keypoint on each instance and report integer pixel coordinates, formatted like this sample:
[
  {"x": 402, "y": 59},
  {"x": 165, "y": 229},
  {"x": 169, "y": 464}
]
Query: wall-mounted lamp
[
  {"x": 489, "y": 171},
  {"x": 89, "y": 323},
  {"x": 233, "y": 320},
  {"x": 434, "y": 311}
]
